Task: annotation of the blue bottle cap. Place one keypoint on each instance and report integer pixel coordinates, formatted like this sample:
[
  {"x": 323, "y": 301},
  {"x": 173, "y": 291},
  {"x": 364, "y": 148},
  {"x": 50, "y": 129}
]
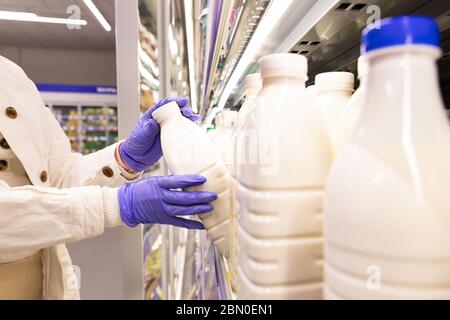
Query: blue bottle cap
[{"x": 402, "y": 30}]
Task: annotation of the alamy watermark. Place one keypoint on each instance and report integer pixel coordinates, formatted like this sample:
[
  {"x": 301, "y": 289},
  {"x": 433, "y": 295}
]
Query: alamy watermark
[
  {"x": 73, "y": 278},
  {"x": 74, "y": 13},
  {"x": 373, "y": 282},
  {"x": 375, "y": 16}
]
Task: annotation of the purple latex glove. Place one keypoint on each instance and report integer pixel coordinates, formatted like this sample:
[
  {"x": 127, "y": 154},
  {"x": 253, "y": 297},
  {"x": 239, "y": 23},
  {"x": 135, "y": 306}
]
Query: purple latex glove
[
  {"x": 154, "y": 200},
  {"x": 143, "y": 146}
]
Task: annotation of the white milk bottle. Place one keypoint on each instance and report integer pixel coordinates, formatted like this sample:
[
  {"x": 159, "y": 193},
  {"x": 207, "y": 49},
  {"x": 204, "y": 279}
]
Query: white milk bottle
[
  {"x": 311, "y": 89},
  {"x": 280, "y": 189},
  {"x": 187, "y": 150},
  {"x": 352, "y": 110},
  {"x": 253, "y": 84},
  {"x": 333, "y": 91},
  {"x": 387, "y": 205}
]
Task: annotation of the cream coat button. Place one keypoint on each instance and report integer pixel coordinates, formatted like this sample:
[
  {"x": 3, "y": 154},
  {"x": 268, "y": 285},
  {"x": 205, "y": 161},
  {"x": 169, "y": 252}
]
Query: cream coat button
[
  {"x": 4, "y": 144},
  {"x": 3, "y": 165},
  {"x": 107, "y": 171},
  {"x": 44, "y": 176},
  {"x": 11, "y": 112}
]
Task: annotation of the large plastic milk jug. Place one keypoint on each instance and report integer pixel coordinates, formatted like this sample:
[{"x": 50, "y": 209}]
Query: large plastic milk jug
[
  {"x": 280, "y": 189},
  {"x": 187, "y": 150},
  {"x": 352, "y": 110},
  {"x": 253, "y": 84},
  {"x": 333, "y": 91},
  {"x": 387, "y": 209}
]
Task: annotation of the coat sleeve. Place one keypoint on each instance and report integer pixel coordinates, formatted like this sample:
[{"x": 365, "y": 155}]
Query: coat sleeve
[
  {"x": 35, "y": 217},
  {"x": 70, "y": 169}
]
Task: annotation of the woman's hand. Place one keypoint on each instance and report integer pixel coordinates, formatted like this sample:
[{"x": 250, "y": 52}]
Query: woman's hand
[{"x": 155, "y": 200}]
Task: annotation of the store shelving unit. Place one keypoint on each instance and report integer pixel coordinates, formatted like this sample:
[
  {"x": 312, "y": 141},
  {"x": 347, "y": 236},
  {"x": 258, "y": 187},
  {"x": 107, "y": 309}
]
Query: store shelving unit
[
  {"x": 69, "y": 119},
  {"x": 99, "y": 127},
  {"x": 90, "y": 125},
  {"x": 89, "y": 128}
]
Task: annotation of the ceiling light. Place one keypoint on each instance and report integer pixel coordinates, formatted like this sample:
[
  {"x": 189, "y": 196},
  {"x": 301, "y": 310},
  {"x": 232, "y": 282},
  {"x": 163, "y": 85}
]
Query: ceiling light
[
  {"x": 33, "y": 17},
  {"x": 101, "y": 19}
]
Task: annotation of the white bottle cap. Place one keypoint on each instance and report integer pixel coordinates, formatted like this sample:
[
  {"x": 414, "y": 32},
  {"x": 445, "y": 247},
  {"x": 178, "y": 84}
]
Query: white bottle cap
[
  {"x": 284, "y": 64},
  {"x": 363, "y": 67},
  {"x": 162, "y": 113},
  {"x": 253, "y": 82},
  {"x": 335, "y": 81}
]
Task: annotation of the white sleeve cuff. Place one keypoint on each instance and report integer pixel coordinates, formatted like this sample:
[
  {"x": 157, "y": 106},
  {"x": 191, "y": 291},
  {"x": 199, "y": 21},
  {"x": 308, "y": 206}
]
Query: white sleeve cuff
[
  {"x": 111, "y": 208},
  {"x": 127, "y": 175}
]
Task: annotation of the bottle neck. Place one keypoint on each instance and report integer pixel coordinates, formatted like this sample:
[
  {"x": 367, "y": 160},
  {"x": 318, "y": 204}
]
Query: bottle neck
[
  {"x": 166, "y": 112},
  {"x": 404, "y": 73},
  {"x": 345, "y": 93},
  {"x": 402, "y": 93},
  {"x": 281, "y": 80}
]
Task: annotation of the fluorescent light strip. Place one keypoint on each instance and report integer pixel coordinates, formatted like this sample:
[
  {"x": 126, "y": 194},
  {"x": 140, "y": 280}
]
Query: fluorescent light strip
[
  {"x": 188, "y": 11},
  {"x": 33, "y": 17},
  {"x": 275, "y": 11},
  {"x": 101, "y": 19}
]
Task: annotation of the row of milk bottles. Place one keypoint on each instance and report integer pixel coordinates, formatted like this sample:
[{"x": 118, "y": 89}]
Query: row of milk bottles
[{"x": 336, "y": 194}]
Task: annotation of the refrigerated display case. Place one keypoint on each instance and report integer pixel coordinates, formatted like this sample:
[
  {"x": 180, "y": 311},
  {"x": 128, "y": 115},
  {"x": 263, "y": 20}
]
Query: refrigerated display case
[{"x": 227, "y": 38}]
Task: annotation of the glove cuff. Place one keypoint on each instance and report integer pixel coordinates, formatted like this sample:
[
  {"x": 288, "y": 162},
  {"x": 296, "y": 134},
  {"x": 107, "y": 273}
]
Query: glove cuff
[
  {"x": 125, "y": 205},
  {"x": 129, "y": 161}
]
